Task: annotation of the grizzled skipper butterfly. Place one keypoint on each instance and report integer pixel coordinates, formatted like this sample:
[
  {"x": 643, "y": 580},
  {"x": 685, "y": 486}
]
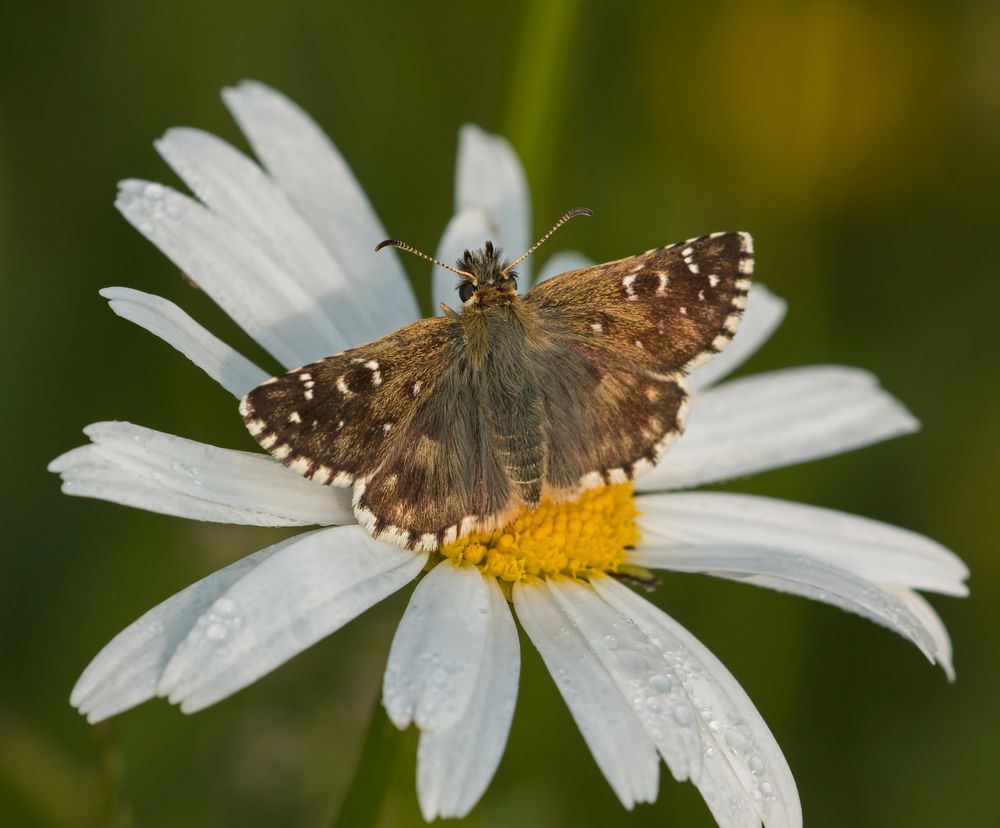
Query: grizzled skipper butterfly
[{"x": 454, "y": 423}]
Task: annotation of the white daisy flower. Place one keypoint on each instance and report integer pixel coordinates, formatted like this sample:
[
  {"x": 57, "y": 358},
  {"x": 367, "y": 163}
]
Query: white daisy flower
[{"x": 282, "y": 248}]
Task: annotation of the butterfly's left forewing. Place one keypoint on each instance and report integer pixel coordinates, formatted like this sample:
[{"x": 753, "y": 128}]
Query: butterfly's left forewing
[
  {"x": 399, "y": 420},
  {"x": 617, "y": 341}
]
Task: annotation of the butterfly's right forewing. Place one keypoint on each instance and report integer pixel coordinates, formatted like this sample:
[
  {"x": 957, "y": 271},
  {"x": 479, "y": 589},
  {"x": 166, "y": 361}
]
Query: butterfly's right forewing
[{"x": 617, "y": 341}]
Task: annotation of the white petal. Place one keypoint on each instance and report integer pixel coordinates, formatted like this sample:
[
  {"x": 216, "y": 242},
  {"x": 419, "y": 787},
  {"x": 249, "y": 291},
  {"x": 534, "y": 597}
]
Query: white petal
[
  {"x": 235, "y": 188},
  {"x": 466, "y": 231},
  {"x": 438, "y": 648},
  {"x": 126, "y": 671},
  {"x": 86, "y": 474},
  {"x": 164, "y": 319},
  {"x": 763, "y": 314},
  {"x": 562, "y": 262},
  {"x": 304, "y": 592},
  {"x": 799, "y": 575},
  {"x": 643, "y": 676},
  {"x": 932, "y": 623},
  {"x": 133, "y": 465},
  {"x": 312, "y": 173},
  {"x": 872, "y": 550},
  {"x": 455, "y": 766},
  {"x": 777, "y": 419},
  {"x": 616, "y": 738},
  {"x": 242, "y": 279},
  {"x": 758, "y": 777},
  {"x": 489, "y": 177}
]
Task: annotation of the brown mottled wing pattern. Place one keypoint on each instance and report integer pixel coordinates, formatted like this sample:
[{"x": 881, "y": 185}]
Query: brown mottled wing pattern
[
  {"x": 618, "y": 340},
  {"x": 397, "y": 419}
]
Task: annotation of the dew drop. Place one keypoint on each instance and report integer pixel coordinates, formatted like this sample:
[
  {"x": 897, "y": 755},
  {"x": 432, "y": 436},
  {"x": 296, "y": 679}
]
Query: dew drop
[
  {"x": 736, "y": 741},
  {"x": 216, "y": 631},
  {"x": 660, "y": 683},
  {"x": 683, "y": 717}
]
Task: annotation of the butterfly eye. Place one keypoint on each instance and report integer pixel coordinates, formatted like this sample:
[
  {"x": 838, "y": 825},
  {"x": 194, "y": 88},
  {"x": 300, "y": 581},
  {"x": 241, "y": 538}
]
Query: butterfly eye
[{"x": 465, "y": 291}]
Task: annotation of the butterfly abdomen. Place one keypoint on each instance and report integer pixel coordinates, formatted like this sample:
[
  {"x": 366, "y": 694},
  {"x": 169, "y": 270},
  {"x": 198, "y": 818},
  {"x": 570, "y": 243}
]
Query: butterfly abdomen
[{"x": 511, "y": 396}]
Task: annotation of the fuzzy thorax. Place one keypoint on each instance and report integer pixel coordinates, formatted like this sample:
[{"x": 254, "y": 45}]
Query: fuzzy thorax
[{"x": 578, "y": 538}]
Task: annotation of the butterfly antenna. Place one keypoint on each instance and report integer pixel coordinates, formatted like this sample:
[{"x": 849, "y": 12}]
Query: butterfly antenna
[
  {"x": 410, "y": 249},
  {"x": 579, "y": 211}
]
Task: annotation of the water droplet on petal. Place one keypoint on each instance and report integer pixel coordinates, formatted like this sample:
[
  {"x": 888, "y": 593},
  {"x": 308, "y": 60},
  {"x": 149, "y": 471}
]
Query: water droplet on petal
[
  {"x": 660, "y": 684},
  {"x": 216, "y": 631},
  {"x": 683, "y": 716}
]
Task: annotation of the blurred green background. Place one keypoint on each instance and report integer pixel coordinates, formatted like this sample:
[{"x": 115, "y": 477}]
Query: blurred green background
[{"x": 859, "y": 142}]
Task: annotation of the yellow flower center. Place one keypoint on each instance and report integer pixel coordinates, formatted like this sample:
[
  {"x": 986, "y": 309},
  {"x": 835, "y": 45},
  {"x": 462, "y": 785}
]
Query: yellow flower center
[{"x": 578, "y": 538}]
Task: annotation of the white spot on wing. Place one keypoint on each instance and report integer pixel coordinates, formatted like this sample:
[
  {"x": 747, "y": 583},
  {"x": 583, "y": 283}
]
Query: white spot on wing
[
  {"x": 597, "y": 327},
  {"x": 628, "y": 283},
  {"x": 372, "y": 366},
  {"x": 417, "y": 386},
  {"x": 300, "y": 465},
  {"x": 294, "y": 417},
  {"x": 713, "y": 280}
]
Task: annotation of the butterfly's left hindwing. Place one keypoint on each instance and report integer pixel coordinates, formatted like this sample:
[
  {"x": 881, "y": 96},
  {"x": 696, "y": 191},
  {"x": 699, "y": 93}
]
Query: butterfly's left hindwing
[{"x": 617, "y": 341}]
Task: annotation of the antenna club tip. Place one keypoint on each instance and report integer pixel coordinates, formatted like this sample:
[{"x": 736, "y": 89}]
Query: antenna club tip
[
  {"x": 582, "y": 211},
  {"x": 386, "y": 243}
]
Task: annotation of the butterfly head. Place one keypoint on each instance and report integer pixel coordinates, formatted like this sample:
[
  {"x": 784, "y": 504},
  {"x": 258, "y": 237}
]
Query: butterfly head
[{"x": 486, "y": 277}]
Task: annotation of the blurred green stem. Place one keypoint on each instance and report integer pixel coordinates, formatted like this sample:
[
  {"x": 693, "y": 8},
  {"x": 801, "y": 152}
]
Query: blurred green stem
[
  {"x": 539, "y": 65},
  {"x": 372, "y": 775}
]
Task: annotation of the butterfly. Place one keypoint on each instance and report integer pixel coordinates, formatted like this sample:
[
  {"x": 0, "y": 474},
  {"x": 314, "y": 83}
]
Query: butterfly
[{"x": 455, "y": 423}]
